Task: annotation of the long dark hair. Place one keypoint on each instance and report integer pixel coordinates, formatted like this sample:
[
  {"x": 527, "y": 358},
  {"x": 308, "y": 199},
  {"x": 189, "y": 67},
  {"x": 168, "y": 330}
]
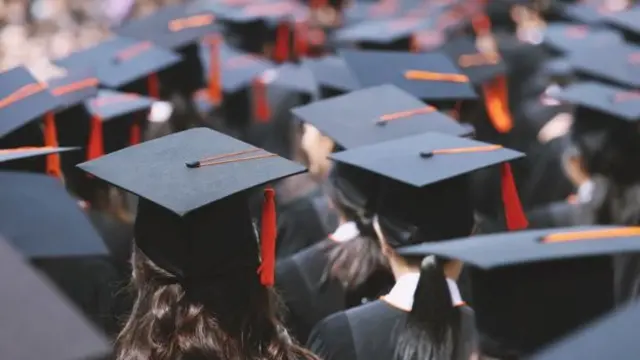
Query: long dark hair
[
  {"x": 353, "y": 262},
  {"x": 234, "y": 317}
]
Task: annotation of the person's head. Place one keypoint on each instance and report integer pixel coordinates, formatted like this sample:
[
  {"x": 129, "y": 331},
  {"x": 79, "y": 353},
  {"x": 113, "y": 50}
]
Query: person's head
[{"x": 316, "y": 147}]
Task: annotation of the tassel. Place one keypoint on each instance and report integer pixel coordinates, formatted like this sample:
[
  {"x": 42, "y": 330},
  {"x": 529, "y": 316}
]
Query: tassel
[
  {"x": 215, "y": 81},
  {"x": 261, "y": 102},
  {"x": 51, "y": 140},
  {"x": 301, "y": 46},
  {"x": 268, "y": 239},
  {"x": 513, "y": 213},
  {"x": 497, "y": 104},
  {"x": 96, "y": 145},
  {"x": 135, "y": 134},
  {"x": 153, "y": 86},
  {"x": 281, "y": 52}
]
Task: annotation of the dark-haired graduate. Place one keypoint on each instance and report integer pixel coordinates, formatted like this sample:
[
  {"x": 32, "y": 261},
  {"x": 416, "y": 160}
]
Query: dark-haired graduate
[
  {"x": 347, "y": 268},
  {"x": 202, "y": 276},
  {"x": 425, "y": 197}
]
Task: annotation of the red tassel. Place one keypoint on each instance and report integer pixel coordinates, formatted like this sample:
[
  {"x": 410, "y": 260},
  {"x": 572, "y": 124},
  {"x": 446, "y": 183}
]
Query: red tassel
[
  {"x": 268, "y": 239},
  {"x": 215, "y": 81},
  {"x": 51, "y": 139},
  {"x": 261, "y": 102},
  {"x": 96, "y": 145},
  {"x": 135, "y": 134},
  {"x": 514, "y": 215},
  {"x": 153, "y": 86},
  {"x": 497, "y": 104},
  {"x": 281, "y": 52}
]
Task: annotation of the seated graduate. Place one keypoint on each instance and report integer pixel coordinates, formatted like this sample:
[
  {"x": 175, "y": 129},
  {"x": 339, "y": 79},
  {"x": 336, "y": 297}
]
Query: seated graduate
[
  {"x": 425, "y": 197},
  {"x": 196, "y": 249},
  {"x": 347, "y": 268}
]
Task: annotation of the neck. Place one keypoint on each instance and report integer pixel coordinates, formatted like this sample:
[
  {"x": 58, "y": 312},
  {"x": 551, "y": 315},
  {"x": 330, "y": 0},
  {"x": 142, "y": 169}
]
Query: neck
[{"x": 400, "y": 267}]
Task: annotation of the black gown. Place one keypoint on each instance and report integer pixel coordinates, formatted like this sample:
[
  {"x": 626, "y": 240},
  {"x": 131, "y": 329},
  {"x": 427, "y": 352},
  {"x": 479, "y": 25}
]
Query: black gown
[
  {"x": 310, "y": 296},
  {"x": 369, "y": 332}
]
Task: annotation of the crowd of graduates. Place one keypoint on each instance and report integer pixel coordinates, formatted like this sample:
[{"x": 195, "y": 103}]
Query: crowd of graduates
[{"x": 336, "y": 180}]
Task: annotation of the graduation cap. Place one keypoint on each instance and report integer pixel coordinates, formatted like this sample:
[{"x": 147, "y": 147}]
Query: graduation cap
[
  {"x": 194, "y": 187},
  {"x": 373, "y": 115},
  {"x": 566, "y": 38},
  {"x": 612, "y": 336},
  {"x": 332, "y": 74},
  {"x": 390, "y": 34},
  {"x": 7, "y": 155},
  {"x": 627, "y": 22},
  {"x": 432, "y": 77},
  {"x": 585, "y": 13},
  {"x": 120, "y": 63},
  {"x": 44, "y": 324},
  {"x": 179, "y": 28},
  {"x": 24, "y": 100},
  {"x": 617, "y": 64},
  {"x": 108, "y": 107},
  {"x": 233, "y": 71},
  {"x": 430, "y": 169},
  {"x": 487, "y": 71},
  {"x": 617, "y": 102},
  {"x": 42, "y": 220}
]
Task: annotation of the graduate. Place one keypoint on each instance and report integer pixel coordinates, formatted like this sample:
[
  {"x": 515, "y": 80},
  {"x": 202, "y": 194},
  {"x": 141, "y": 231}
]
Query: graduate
[
  {"x": 201, "y": 276},
  {"x": 425, "y": 197},
  {"x": 346, "y": 268}
]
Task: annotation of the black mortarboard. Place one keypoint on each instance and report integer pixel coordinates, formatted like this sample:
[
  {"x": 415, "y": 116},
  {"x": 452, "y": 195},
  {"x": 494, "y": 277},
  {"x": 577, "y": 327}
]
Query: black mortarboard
[
  {"x": 627, "y": 21},
  {"x": 617, "y": 102},
  {"x": 429, "y": 169},
  {"x": 618, "y": 64},
  {"x": 432, "y": 77},
  {"x": 43, "y": 323},
  {"x": 613, "y": 336},
  {"x": 332, "y": 74},
  {"x": 193, "y": 215},
  {"x": 42, "y": 220},
  {"x": 7, "y": 155},
  {"x": 294, "y": 77},
  {"x": 504, "y": 249},
  {"x": 73, "y": 88},
  {"x": 391, "y": 34},
  {"x": 586, "y": 13},
  {"x": 373, "y": 115},
  {"x": 119, "y": 63},
  {"x": 567, "y": 38},
  {"x": 22, "y": 100}
]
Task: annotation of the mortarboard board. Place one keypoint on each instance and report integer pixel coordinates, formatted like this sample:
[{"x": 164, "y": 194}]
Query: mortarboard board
[
  {"x": 42, "y": 220},
  {"x": 24, "y": 100},
  {"x": 487, "y": 72},
  {"x": 193, "y": 188},
  {"x": 430, "y": 169},
  {"x": 566, "y": 38},
  {"x": 390, "y": 34},
  {"x": 107, "y": 107},
  {"x": 585, "y": 13},
  {"x": 332, "y": 74},
  {"x": 612, "y": 336},
  {"x": 7, "y": 155},
  {"x": 617, "y": 64},
  {"x": 44, "y": 324},
  {"x": 374, "y": 115},
  {"x": 119, "y": 63},
  {"x": 295, "y": 77},
  {"x": 627, "y": 22},
  {"x": 73, "y": 88},
  {"x": 432, "y": 77},
  {"x": 606, "y": 99}
]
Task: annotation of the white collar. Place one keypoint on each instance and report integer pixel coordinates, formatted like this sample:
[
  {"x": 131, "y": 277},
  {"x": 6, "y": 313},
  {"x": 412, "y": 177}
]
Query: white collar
[
  {"x": 401, "y": 295},
  {"x": 585, "y": 191},
  {"x": 345, "y": 232}
]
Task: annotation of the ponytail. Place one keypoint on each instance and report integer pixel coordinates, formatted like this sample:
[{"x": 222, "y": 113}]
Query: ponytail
[{"x": 433, "y": 325}]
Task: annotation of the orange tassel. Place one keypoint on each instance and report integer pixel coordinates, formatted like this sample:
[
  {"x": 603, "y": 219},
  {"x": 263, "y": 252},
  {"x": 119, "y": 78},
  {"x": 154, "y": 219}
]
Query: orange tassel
[
  {"x": 268, "y": 239},
  {"x": 153, "y": 86},
  {"x": 51, "y": 140},
  {"x": 96, "y": 144},
  {"x": 513, "y": 213},
  {"x": 215, "y": 81},
  {"x": 261, "y": 102},
  {"x": 497, "y": 104},
  {"x": 301, "y": 45},
  {"x": 281, "y": 52},
  {"x": 135, "y": 134}
]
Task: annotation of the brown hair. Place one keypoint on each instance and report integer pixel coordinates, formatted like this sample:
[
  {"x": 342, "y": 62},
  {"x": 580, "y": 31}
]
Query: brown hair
[{"x": 233, "y": 317}]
